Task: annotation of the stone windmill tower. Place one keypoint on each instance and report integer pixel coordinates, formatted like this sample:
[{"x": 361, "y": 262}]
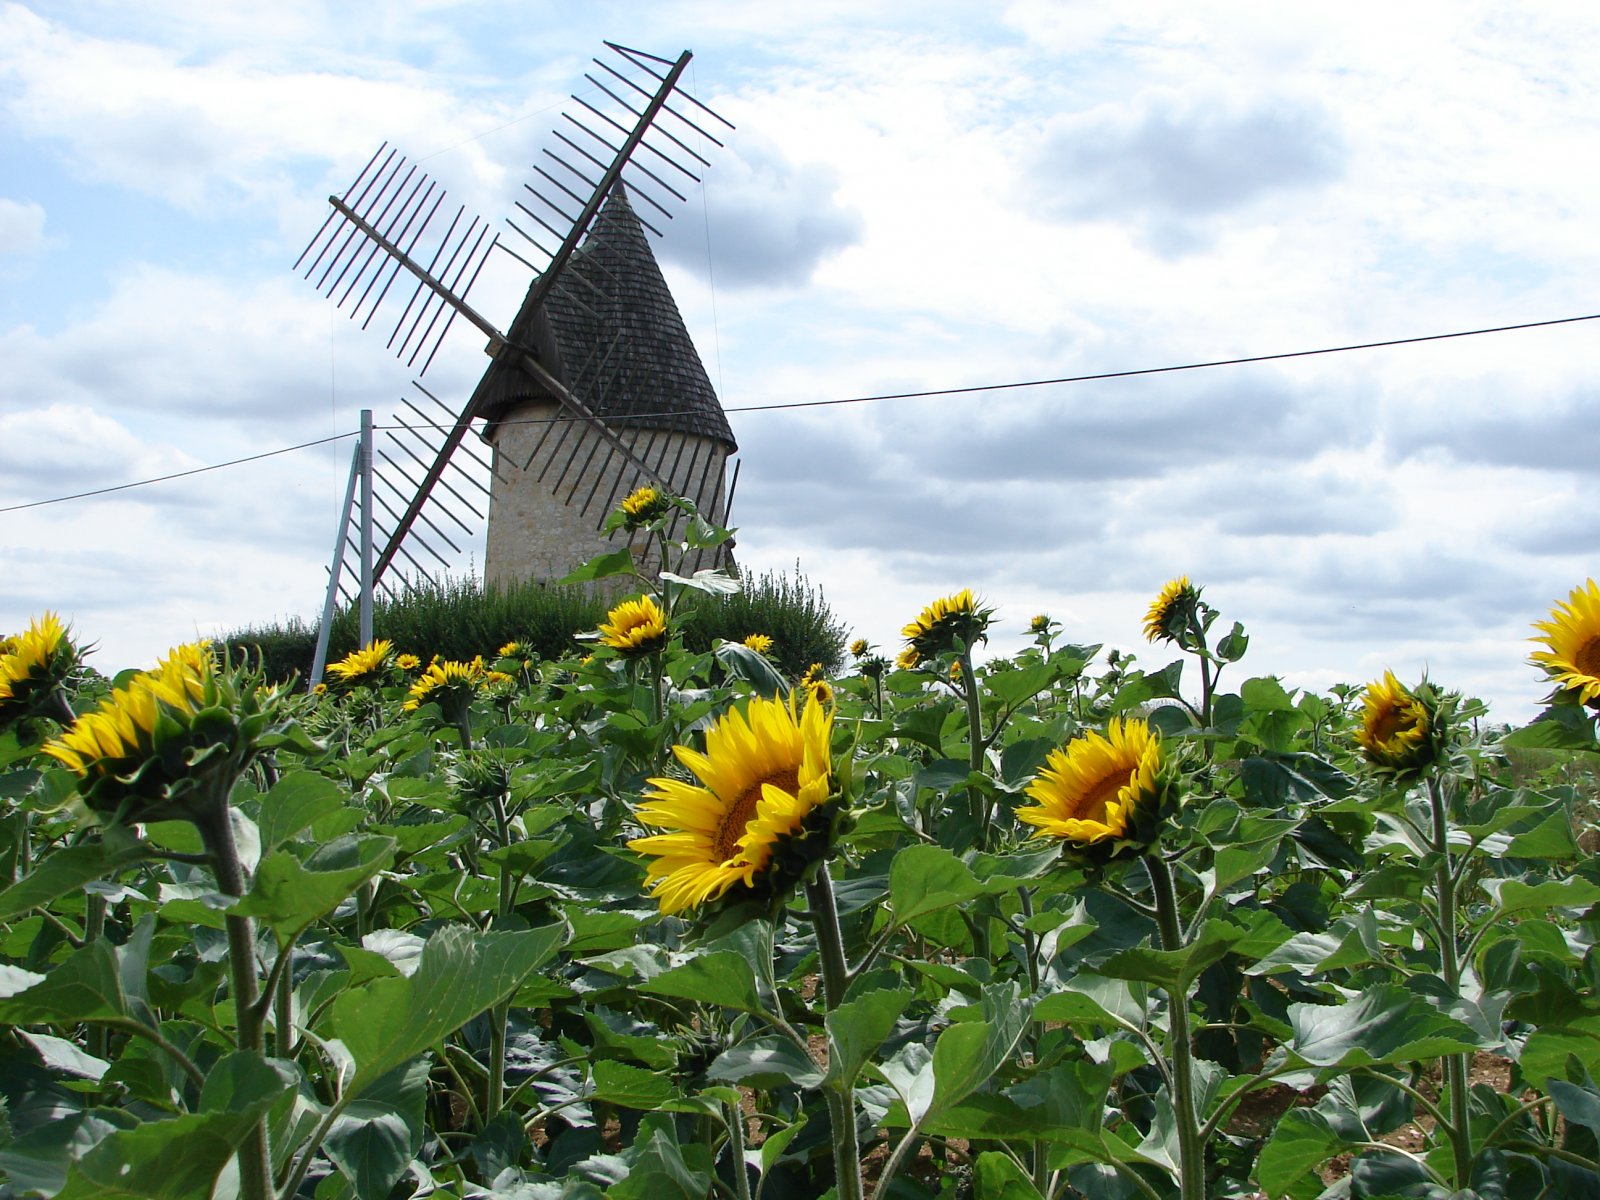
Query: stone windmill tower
[
  {"x": 613, "y": 335},
  {"x": 595, "y": 389}
]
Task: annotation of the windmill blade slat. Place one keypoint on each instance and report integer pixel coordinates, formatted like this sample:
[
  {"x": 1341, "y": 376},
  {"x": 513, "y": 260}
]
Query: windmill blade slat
[
  {"x": 582, "y": 178},
  {"x": 353, "y": 237},
  {"x": 399, "y": 239},
  {"x": 508, "y": 250},
  {"x": 445, "y": 483},
  {"x": 605, "y": 66},
  {"x": 539, "y": 219},
  {"x": 373, "y": 251},
  {"x": 585, "y": 437},
  {"x": 432, "y": 300},
  {"x": 633, "y": 56},
  {"x": 444, "y": 508}
]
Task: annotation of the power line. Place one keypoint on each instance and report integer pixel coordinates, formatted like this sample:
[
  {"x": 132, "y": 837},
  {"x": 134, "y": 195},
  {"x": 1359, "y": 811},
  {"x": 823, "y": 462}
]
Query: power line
[
  {"x": 1194, "y": 366},
  {"x": 122, "y": 487},
  {"x": 928, "y": 394}
]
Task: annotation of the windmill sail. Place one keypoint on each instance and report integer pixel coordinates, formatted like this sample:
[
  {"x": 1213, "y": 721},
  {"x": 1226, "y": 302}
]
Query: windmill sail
[{"x": 393, "y": 244}]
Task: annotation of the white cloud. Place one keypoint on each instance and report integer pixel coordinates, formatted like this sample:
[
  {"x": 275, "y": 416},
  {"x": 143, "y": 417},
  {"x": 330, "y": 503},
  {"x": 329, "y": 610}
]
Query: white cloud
[{"x": 21, "y": 228}]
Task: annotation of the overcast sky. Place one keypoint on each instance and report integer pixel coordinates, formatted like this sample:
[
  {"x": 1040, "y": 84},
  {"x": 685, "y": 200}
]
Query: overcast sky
[{"x": 975, "y": 194}]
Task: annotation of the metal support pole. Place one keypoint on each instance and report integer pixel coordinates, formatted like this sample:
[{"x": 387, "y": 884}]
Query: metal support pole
[
  {"x": 364, "y": 450},
  {"x": 320, "y": 659}
]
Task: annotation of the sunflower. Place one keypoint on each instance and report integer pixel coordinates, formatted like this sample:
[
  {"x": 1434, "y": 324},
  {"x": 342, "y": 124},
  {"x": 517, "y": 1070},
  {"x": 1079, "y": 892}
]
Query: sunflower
[
  {"x": 762, "y": 791},
  {"x": 1101, "y": 793},
  {"x": 361, "y": 668},
  {"x": 407, "y": 662},
  {"x": 908, "y": 659},
  {"x": 859, "y": 648},
  {"x": 33, "y": 667},
  {"x": 634, "y": 627},
  {"x": 1573, "y": 635},
  {"x": 1398, "y": 727},
  {"x": 171, "y": 741},
  {"x": 1040, "y": 624},
  {"x": 643, "y": 505},
  {"x": 511, "y": 650},
  {"x": 759, "y": 642},
  {"x": 945, "y": 622},
  {"x": 450, "y": 685},
  {"x": 1173, "y": 612}
]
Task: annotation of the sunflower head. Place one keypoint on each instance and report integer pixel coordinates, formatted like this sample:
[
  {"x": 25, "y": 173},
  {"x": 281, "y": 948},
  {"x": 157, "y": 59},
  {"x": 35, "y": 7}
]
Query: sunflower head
[
  {"x": 172, "y": 741},
  {"x": 757, "y": 820},
  {"x": 642, "y": 506},
  {"x": 635, "y": 627},
  {"x": 35, "y": 666},
  {"x": 908, "y": 659},
  {"x": 450, "y": 685},
  {"x": 859, "y": 648},
  {"x": 407, "y": 662},
  {"x": 1572, "y": 640},
  {"x": 1175, "y": 613},
  {"x": 948, "y": 623},
  {"x": 511, "y": 650},
  {"x": 1104, "y": 797},
  {"x": 364, "y": 667},
  {"x": 759, "y": 642},
  {"x": 1041, "y": 623},
  {"x": 1402, "y": 729}
]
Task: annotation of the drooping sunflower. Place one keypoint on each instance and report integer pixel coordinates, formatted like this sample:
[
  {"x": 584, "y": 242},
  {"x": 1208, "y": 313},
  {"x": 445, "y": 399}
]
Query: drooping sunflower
[
  {"x": 634, "y": 627},
  {"x": 946, "y": 621},
  {"x": 1573, "y": 636},
  {"x": 758, "y": 817},
  {"x": 1104, "y": 795},
  {"x": 1173, "y": 611},
  {"x": 33, "y": 667},
  {"x": 643, "y": 505},
  {"x": 450, "y": 685},
  {"x": 1399, "y": 727},
  {"x": 171, "y": 741},
  {"x": 759, "y": 642},
  {"x": 363, "y": 667}
]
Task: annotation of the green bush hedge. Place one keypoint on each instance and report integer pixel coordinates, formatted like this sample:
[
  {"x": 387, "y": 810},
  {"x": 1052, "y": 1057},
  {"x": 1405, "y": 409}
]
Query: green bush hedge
[{"x": 462, "y": 617}]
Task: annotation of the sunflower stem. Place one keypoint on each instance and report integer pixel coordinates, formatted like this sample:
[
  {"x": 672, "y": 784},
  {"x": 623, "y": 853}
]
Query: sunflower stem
[
  {"x": 1040, "y": 1163},
  {"x": 1456, "y": 1066},
  {"x": 839, "y": 1094},
  {"x": 215, "y": 823},
  {"x": 94, "y": 928},
  {"x": 1191, "y": 1150},
  {"x": 733, "y": 1114},
  {"x": 977, "y": 803}
]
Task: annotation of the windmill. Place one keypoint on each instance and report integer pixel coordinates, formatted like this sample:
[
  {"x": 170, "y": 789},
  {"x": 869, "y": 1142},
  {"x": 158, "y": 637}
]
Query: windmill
[{"x": 595, "y": 387}]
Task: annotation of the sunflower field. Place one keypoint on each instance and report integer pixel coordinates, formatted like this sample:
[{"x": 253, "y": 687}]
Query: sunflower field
[{"x": 648, "y": 924}]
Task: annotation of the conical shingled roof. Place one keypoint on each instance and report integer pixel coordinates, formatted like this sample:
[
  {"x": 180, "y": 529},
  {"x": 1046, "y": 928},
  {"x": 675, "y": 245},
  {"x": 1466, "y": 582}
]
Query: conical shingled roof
[{"x": 611, "y": 332}]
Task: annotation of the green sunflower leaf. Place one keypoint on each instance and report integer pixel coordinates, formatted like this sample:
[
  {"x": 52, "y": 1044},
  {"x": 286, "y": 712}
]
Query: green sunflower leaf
[
  {"x": 1384, "y": 1024},
  {"x": 721, "y": 977},
  {"x": 289, "y": 895},
  {"x": 924, "y": 879},
  {"x": 602, "y": 566},
  {"x": 461, "y": 973}
]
